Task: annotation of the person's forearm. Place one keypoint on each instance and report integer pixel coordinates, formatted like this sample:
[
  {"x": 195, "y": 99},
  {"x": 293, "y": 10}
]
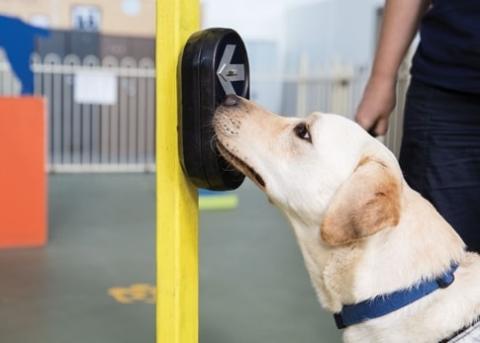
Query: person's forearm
[{"x": 400, "y": 23}]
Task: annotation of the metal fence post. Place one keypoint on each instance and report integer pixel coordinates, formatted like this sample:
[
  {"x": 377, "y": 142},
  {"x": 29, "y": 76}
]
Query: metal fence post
[{"x": 177, "y": 205}]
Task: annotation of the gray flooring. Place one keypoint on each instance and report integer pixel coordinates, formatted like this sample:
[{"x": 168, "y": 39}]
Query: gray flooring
[{"x": 253, "y": 285}]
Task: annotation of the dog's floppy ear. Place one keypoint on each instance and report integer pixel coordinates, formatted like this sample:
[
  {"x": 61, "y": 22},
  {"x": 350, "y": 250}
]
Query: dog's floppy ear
[{"x": 366, "y": 203}]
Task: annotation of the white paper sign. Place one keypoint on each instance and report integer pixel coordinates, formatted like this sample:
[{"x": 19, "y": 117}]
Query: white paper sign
[{"x": 95, "y": 87}]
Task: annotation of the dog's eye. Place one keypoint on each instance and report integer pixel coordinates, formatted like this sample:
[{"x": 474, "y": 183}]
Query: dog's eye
[{"x": 301, "y": 131}]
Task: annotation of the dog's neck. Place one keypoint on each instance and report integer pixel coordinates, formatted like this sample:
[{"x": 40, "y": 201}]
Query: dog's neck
[
  {"x": 383, "y": 263},
  {"x": 392, "y": 258}
]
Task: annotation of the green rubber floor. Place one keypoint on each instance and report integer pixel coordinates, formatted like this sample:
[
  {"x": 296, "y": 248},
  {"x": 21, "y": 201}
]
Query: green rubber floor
[{"x": 93, "y": 282}]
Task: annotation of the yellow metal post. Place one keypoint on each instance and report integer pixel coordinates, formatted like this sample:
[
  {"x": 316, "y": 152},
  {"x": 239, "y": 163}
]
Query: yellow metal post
[{"x": 177, "y": 204}]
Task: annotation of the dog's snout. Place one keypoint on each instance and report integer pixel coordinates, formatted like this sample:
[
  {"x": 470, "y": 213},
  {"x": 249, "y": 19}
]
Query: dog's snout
[{"x": 231, "y": 100}]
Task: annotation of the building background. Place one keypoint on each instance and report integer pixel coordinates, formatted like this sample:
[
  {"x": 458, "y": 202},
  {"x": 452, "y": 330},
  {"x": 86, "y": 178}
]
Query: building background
[
  {"x": 117, "y": 17},
  {"x": 99, "y": 28}
]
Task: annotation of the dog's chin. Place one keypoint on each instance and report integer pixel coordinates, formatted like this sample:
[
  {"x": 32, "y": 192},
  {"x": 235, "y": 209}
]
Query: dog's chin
[{"x": 241, "y": 166}]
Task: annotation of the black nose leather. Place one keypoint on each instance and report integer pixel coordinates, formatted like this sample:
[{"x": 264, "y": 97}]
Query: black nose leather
[{"x": 231, "y": 100}]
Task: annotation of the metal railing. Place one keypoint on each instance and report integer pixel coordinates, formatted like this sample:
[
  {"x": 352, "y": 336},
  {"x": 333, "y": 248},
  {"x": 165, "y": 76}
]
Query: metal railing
[
  {"x": 95, "y": 136},
  {"x": 119, "y": 136}
]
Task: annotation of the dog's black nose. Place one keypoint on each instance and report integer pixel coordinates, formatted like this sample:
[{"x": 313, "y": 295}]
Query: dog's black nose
[{"x": 231, "y": 100}]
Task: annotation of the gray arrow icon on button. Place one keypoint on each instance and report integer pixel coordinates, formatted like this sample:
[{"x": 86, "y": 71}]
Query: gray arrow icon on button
[{"x": 227, "y": 72}]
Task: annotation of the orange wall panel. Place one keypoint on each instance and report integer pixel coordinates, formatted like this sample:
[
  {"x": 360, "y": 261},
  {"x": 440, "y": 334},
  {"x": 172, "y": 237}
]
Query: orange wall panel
[{"x": 23, "y": 179}]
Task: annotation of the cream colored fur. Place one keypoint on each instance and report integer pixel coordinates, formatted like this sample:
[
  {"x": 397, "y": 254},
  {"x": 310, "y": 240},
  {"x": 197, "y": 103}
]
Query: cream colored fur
[{"x": 305, "y": 179}]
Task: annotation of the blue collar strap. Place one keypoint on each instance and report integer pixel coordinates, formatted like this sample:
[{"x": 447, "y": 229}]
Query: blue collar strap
[{"x": 385, "y": 304}]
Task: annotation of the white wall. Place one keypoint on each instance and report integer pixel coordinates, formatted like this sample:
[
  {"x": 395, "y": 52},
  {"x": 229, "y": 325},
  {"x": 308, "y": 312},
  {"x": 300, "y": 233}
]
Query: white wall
[
  {"x": 253, "y": 19},
  {"x": 333, "y": 30}
]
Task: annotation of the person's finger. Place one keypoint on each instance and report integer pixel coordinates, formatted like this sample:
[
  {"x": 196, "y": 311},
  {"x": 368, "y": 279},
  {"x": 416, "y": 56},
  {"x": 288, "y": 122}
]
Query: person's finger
[
  {"x": 365, "y": 121},
  {"x": 381, "y": 126},
  {"x": 372, "y": 132}
]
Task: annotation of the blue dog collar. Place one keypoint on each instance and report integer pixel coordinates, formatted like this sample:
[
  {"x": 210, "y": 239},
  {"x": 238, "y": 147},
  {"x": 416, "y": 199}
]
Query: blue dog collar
[{"x": 385, "y": 304}]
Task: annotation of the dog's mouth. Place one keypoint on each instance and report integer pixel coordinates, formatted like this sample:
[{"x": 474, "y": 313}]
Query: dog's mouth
[{"x": 241, "y": 165}]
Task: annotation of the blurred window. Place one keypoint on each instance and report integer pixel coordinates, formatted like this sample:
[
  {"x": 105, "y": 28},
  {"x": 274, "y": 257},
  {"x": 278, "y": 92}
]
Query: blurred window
[
  {"x": 131, "y": 7},
  {"x": 86, "y": 18},
  {"x": 40, "y": 20}
]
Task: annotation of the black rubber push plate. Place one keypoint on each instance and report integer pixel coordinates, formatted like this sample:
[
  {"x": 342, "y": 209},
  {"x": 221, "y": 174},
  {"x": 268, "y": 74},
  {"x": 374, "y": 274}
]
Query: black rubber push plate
[{"x": 214, "y": 64}]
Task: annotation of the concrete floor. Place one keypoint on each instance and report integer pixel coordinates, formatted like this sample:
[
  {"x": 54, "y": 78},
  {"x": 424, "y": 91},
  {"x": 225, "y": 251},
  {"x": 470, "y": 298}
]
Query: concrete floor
[{"x": 253, "y": 285}]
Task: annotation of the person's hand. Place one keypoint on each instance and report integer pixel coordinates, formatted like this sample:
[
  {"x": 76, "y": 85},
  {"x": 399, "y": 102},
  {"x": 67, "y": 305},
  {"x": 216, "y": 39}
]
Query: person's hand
[{"x": 378, "y": 102}]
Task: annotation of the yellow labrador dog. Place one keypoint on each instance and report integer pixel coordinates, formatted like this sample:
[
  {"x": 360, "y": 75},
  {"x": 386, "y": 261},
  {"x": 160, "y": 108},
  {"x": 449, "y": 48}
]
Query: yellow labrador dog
[{"x": 379, "y": 255}]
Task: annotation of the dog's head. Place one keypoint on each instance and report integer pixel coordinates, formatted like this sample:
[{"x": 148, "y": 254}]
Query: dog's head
[
  {"x": 354, "y": 216},
  {"x": 324, "y": 171}
]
